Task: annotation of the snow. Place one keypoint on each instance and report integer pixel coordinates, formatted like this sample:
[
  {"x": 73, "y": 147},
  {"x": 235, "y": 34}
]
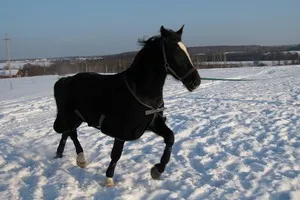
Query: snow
[
  {"x": 234, "y": 140},
  {"x": 297, "y": 52}
]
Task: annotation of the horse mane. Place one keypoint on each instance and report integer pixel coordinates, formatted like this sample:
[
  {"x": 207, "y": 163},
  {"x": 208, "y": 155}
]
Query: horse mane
[
  {"x": 152, "y": 40},
  {"x": 145, "y": 43},
  {"x": 148, "y": 42}
]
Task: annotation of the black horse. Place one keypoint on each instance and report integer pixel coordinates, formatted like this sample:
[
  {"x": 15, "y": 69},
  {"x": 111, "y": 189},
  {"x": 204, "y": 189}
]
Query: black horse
[{"x": 127, "y": 104}]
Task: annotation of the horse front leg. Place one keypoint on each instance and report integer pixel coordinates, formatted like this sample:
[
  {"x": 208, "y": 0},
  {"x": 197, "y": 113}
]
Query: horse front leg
[
  {"x": 115, "y": 156},
  {"x": 160, "y": 128}
]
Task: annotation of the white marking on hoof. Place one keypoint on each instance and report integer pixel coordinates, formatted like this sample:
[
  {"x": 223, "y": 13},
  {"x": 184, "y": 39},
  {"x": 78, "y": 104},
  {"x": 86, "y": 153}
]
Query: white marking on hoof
[
  {"x": 81, "y": 162},
  {"x": 110, "y": 182}
]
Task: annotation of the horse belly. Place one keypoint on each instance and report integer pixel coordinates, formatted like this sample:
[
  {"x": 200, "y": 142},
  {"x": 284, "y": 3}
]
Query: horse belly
[
  {"x": 126, "y": 119},
  {"x": 125, "y": 130}
]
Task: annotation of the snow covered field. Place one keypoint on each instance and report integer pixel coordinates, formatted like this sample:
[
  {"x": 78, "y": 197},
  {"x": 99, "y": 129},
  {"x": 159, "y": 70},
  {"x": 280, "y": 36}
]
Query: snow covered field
[{"x": 234, "y": 140}]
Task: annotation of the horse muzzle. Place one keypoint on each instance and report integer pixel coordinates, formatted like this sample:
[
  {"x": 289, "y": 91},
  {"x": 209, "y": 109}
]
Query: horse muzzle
[{"x": 193, "y": 81}]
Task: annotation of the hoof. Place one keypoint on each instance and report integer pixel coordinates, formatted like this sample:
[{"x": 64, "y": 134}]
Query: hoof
[
  {"x": 110, "y": 182},
  {"x": 155, "y": 174},
  {"x": 81, "y": 162},
  {"x": 58, "y": 156}
]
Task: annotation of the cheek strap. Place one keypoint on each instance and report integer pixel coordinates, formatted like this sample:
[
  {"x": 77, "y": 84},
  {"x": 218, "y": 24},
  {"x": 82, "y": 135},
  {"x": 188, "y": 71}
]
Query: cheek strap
[{"x": 168, "y": 68}]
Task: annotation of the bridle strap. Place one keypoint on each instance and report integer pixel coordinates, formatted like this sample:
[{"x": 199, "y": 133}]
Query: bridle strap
[{"x": 167, "y": 66}]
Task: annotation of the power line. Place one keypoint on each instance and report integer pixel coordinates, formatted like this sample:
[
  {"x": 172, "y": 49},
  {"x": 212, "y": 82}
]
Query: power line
[{"x": 7, "y": 39}]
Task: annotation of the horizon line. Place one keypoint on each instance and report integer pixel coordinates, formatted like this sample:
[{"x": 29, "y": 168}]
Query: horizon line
[{"x": 132, "y": 51}]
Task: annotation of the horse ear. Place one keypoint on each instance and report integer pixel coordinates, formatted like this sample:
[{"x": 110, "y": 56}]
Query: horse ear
[
  {"x": 179, "y": 32},
  {"x": 163, "y": 31}
]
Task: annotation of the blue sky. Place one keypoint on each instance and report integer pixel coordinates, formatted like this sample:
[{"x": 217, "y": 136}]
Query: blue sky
[{"x": 93, "y": 27}]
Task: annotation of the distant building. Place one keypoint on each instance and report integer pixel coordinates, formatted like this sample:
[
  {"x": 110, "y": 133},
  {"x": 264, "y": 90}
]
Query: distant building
[{"x": 14, "y": 73}]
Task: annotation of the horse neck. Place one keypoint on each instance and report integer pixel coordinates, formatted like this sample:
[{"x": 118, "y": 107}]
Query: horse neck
[{"x": 147, "y": 75}]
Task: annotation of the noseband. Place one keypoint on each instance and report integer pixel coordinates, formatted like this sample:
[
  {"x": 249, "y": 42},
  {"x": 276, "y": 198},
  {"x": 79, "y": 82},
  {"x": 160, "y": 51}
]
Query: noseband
[{"x": 167, "y": 67}]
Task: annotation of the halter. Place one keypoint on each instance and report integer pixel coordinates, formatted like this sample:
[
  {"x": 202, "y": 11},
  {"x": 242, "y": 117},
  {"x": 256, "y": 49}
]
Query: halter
[
  {"x": 160, "y": 107},
  {"x": 167, "y": 66}
]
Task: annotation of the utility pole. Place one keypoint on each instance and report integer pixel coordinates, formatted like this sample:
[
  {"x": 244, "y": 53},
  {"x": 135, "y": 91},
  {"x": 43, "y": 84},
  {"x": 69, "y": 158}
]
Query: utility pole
[{"x": 6, "y": 39}]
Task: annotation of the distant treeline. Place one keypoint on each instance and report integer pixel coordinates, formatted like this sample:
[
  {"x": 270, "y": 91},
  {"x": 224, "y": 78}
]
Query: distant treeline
[
  {"x": 120, "y": 62},
  {"x": 256, "y": 56},
  {"x": 69, "y": 67}
]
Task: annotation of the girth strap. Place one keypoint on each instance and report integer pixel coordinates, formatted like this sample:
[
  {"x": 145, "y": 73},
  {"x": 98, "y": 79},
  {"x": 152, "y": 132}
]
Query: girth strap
[
  {"x": 79, "y": 115},
  {"x": 101, "y": 119},
  {"x": 149, "y": 112}
]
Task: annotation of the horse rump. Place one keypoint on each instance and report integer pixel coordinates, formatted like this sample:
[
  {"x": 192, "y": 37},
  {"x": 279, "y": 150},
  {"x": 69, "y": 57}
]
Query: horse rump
[{"x": 65, "y": 117}]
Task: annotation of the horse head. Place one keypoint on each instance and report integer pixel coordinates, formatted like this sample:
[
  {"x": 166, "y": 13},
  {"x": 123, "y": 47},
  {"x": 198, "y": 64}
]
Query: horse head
[{"x": 177, "y": 60}]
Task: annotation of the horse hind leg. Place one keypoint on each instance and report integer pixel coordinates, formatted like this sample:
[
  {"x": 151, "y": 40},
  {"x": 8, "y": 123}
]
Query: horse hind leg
[
  {"x": 70, "y": 129},
  {"x": 59, "y": 124},
  {"x": 63, "y": 140},
  {"x": 80, "y": 160},
  {"x": 61, "y": 146}
]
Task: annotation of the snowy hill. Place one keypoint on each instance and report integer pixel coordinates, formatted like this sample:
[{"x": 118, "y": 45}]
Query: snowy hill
[{"x": 234, "y": 140}]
